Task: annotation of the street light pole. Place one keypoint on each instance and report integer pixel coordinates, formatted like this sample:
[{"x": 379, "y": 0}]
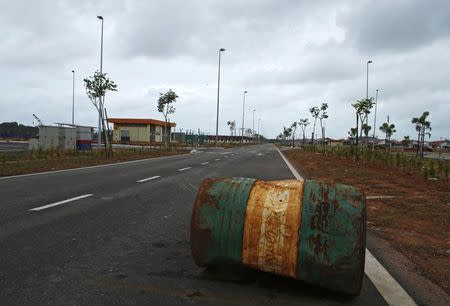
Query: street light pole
[
  {"x": 100, "y": 102},
  {"x": 73, "y": 97},
  {"x": 375, "y": 120},
  {"x": 243, "y": 117},
  {"x": 367, "y": 80},
  {"x": 253, "y": 124},
  {"x": 367, "y": 96},
  {"x": 218, "y": 93},
  {"x": 259, "y": 137}
]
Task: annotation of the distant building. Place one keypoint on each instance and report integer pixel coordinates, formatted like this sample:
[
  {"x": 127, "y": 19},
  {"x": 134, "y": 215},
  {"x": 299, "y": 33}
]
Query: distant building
[
  {"x": 56, "y": 137},
  {"x": 130, "y": 130},
  {"x": 441, "y": 144},
  {"x": 230, "y": 139}
]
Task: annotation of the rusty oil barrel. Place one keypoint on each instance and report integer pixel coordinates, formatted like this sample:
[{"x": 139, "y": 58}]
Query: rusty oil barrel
[{"x": 305, "y": 230}]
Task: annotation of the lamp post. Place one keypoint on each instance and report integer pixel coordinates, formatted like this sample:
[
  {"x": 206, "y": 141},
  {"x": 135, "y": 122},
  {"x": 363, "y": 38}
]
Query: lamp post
[
  {"x": 243, "y": 117},
  {"x": 367, "y": 96},
  {"x": 375, "y": 120},
  {"x": 218, "y": 94},
  {"x": 100, "y": 103},
  {"x": 253, "y": 124},
  {"x": 73, "y": 97},
  {"x": 367, "y": 79},
  {"x": 259, "y": 137}
]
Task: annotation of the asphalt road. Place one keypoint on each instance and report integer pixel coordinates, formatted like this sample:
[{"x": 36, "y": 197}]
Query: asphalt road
[{"x": 125, "y": 242}]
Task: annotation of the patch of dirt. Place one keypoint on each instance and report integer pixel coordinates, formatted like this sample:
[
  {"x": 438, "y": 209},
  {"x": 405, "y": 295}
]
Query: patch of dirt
[{"x": 416, "y": 220}]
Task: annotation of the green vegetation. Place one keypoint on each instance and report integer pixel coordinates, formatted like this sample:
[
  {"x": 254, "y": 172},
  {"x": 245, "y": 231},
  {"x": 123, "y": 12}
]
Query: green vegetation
[
  {"x": 13, "y": 163},
  {"x": 96, "y": 88},
  {"x": 429, "y": 168},
  {"x": 164, "y": 106}
]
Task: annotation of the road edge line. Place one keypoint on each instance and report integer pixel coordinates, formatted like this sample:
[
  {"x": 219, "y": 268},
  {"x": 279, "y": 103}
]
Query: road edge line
[{"x": 391, "y": 291}]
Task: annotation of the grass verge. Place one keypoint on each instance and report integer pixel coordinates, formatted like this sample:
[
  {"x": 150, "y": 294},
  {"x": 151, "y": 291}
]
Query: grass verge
[
  {"x": 416, "y": 217},
  {"x": 16, "y": 163}
]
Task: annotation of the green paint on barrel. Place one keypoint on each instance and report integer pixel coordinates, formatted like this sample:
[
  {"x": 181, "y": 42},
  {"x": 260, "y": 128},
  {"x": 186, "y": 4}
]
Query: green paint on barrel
[
  {"x": 332, "y": 237},
  {"x": 219, "y": 215}
]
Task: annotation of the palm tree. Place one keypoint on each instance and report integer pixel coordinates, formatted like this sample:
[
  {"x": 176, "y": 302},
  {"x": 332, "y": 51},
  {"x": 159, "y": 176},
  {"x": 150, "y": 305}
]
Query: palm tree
[
  {"x": 406, "y": 141},
  {"x": 323, "y": 115},
  {"x": 362, "y": 108},
  {"x": 388, "y": 129},
  {"x": 366, "y": 128},
  {"x": 232, "y": 127},
  {"x": 352, "y": 133},
  {"x": 287, "y": 132},
  {"x": 303, "y": 123},
  {"x": 315, "y": 111},
  {"x": 293, "y": 128},
  {"x": 422, "y": 125}
]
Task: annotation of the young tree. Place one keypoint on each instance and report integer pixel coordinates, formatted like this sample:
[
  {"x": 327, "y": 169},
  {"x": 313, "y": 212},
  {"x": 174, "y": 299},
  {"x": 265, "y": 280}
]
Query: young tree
[
  {"x": 279, "y": 137},
  {"x": 96, "y": 88},
  {"x": 406, "y": 141},
  {"x": 322, "y": 116},
  {"x": 388, "y": 129},
  {"x": 232, "y": 127},
  {"x": 362, "y": 108},
  {"x": 287, "y": 133},
  {"x": 294, "y": 129},
  {"x": 303, "y": 123},
  {"x": 366, "y": 129},
  {"x": 422, "y": 125},
  {"x": 164, "y": 106},
  {"x": 315, "y": 112},
  {"x": 352, "y": 134}
]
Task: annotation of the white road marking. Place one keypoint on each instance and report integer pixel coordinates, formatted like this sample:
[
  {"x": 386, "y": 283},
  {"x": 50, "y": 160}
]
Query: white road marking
[
  {"x": 148, "y": 179},
  {"x": 217, "y": 159},
  {"x": 293, "y": 170},
  {"x": 205, "y": 163},
  {"x": 388, "y": 287},
  {"x": 62, "y": 202},
  {"x": 184, "y": 169}
]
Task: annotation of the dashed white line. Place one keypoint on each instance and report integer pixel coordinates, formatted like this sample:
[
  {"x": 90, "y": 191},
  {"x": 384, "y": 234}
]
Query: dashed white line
[
  {"x": 148, "y": 179},
  {"x": 217, "y": 159},
  {"x": 62, "y": 202},
  {"x": 389, "y": 288},
  {"x": 184, "y": 169},
  {"x": 205, "y": 163}
]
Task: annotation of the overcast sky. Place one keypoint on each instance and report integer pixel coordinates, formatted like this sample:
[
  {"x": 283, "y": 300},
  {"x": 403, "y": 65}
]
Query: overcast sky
[{"x": 288, "y": 55}]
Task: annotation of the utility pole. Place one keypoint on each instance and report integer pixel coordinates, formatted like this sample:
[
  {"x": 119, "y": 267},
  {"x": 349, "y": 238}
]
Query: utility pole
[
  {"x": 243, "y": 116},
  {"x": 375, "y": 120},
  {"x": 367, "y": 96},
  {"x": 259, "y": 137},
  {"x": 73, "y": 97},
  {"x": 100, "y": 102},
  {"x": 253, "y": 125},
  {"x": 218, "y": 93}
]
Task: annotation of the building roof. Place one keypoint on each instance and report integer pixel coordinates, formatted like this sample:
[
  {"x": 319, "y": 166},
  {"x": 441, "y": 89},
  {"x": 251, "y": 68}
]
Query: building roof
[{"x": 140, "y": 121}]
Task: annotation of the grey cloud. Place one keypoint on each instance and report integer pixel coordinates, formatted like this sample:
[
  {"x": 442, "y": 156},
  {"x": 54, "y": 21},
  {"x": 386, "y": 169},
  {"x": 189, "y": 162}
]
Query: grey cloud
[
  {"x": 391, "y": 26},
  {"x": 289, "y": 55}
]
